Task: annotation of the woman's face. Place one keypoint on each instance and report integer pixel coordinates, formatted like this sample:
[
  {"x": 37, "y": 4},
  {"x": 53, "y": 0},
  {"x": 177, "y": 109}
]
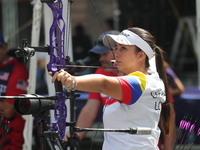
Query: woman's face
[{"x": 128, "y": 59}]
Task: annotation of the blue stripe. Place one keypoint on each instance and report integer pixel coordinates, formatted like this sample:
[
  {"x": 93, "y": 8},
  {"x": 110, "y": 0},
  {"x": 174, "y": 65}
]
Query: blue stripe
[{"x": 135, "y": 88}]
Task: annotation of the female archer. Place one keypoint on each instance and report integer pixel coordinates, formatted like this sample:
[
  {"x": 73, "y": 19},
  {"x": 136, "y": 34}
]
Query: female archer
[{"x": 138, "y": 99}]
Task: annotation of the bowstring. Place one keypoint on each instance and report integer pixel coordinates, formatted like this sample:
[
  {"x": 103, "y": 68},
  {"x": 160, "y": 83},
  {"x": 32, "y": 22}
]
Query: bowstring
[{"x": 97, "y": 14}]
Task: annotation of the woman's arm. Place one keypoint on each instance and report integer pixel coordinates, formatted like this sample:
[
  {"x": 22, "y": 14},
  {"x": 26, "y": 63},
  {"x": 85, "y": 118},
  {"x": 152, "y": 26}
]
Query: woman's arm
[{"x": 91, "y": 83}]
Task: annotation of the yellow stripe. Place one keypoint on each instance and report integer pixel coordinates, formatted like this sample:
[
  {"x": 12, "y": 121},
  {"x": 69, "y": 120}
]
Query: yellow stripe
[{"x": 142, "y": 79}]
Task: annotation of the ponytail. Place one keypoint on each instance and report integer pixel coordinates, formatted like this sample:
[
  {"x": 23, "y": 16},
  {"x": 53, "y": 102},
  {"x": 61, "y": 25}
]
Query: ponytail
[{"x": 165, "y": 112}]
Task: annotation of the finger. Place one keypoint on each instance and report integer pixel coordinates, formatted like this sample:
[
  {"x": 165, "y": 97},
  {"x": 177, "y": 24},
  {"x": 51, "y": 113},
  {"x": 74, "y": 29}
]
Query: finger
[
  {"x": 57, "y": 75},
  {"x": 54, "y": 77},
  {"x": 61, "y": 70},
  {"x": 68, "y": 82},
  {"x": 64, "y": 78},
  {"x": 61, "y": 74}
]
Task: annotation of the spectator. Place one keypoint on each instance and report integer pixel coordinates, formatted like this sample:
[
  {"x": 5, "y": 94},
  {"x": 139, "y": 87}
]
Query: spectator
[
  {"x": 176, "y": 86},
  {"x": 13, "y": 82},
  {"x": 176, "y": 89}
]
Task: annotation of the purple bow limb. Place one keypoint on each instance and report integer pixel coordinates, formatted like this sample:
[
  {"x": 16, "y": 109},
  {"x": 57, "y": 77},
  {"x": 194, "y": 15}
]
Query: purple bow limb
[{"x": 58, "y": 61}]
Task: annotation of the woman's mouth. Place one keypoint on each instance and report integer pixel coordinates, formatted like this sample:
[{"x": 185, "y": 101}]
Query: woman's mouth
[{"x": 117, "y": 62}]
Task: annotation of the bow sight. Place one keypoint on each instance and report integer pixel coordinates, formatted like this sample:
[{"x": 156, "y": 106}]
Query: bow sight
[{"x": 33, "y": 104}]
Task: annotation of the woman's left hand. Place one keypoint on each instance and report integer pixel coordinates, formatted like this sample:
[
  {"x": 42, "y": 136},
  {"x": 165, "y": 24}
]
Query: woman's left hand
[{"x": 63, "y": 76}]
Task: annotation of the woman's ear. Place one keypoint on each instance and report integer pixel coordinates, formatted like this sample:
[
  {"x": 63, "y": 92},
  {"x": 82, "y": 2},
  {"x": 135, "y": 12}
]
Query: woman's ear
[{"x": 141, "y": 55}]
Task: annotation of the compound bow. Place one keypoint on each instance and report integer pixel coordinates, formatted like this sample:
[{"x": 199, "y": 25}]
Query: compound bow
[{"x": 57, "y": 61}]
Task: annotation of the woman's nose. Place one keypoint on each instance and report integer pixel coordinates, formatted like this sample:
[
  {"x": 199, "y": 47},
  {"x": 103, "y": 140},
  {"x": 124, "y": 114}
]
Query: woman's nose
[{"x": 115, "y": 52}]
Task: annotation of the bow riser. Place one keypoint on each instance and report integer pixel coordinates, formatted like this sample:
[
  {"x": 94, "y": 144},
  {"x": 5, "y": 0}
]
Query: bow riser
[{"x": 57, "y": 57}]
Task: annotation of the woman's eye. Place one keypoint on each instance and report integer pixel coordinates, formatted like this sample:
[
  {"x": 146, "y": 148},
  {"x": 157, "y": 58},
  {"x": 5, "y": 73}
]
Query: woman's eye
[{"x": 123, "y": 48}]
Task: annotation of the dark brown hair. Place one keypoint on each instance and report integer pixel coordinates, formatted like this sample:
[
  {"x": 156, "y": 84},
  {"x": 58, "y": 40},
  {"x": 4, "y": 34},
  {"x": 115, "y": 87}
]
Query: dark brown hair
[{"x": 159, "y": 54}]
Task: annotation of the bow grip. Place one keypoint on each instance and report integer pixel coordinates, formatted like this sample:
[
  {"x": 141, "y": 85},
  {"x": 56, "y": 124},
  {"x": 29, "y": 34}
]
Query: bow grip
[{"x": 58, "y": 87}]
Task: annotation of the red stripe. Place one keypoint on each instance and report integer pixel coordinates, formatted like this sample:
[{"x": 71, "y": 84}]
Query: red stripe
[{"x": 126, "y": 91}]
